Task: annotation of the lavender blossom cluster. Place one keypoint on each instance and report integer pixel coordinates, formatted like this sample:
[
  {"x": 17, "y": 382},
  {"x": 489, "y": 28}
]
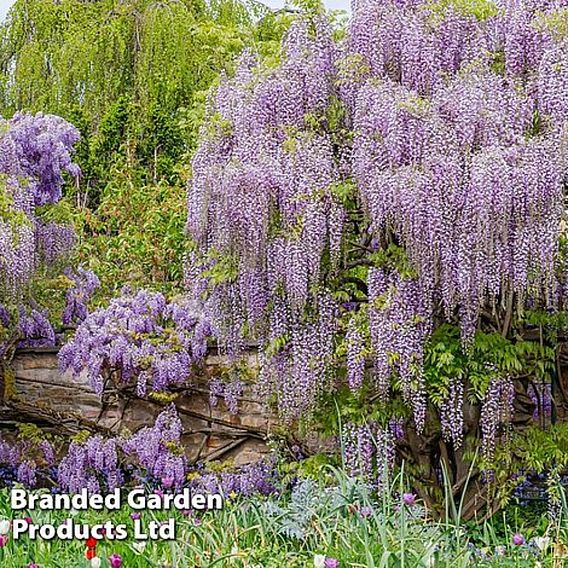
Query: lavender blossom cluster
[
  {"x": 229, "y": 392},
  {"x": 85, "y": 282},
  {"x": 158, "y": 450},
  {"x": 153, "y": 456},
  {"x": 259, "y": 478},
  {"x": 262, "y": 195},
  {"x": 94, "y": 465},
  {"x": 23, "y": 463},
  {"x": 369, "y": 452},
  {"x": 34, "y": 328},
  {"x": 35, "y": 152},
  {"x": 142, "y": 337},
  {"x": 450, "y": 123}
]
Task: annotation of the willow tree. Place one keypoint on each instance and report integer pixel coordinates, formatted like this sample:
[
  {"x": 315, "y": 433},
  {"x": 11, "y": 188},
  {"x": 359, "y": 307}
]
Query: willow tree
[
  {"x": 126, "y": 73},
  {"x": 132, "y": 77},
  {"x": 382, "y": 216}
]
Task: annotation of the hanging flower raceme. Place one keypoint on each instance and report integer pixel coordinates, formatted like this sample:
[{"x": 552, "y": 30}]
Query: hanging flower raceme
[
  {"x": 451, "y": 413},
  {"x": 85, "y": 282},
  {"x": 94, "y": 465},
  {"x": 399, "y": 324},
  {"x": 143, "y": 337},
  {"x": 35, "y": 328},
  {"x": 496, "y": 412},
  {"x": 435, "y": 130},
  {"x": 158, "y": 449},
  {"x": 368, "y": 453},
  {"x": 35, "y": 152}
]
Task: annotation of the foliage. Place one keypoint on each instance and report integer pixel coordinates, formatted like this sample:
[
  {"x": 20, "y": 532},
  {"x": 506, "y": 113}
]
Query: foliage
[
  {"x": 135, "y": 237},
  {"x": 133, "y": 77},
  {"x": 120, "y": 71},
  {"x": 383, "y": 212},
  {"x": 338, "y": 521}
]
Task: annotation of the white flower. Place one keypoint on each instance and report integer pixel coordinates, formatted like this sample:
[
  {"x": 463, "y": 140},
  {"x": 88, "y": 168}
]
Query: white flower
[
  {"x": 139, "y": 546},
  {"x": 95, "y": 562},
  {"x": 429, "y": 561},
  {"x": 541, "y": 542},
  {"x": 319, "y": 561},
  {"x": 4, "y": 526}
]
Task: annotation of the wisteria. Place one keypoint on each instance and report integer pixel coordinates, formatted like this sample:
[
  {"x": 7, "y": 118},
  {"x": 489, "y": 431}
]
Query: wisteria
[
  {"x": 451, "y": 413},
  {"x": 358, "y": 451},
  {"x": 496, "y": 413},
  {"x": 411, "y": 174},
  {"x": 397, "y": 428},
  {"x": 255, "y": 478},
  {"x": 429, "y": 146},
  {"x": 153, "y": 456},
  {"x": 368, "y": 453},
  {"x": 93, "y": 465},
  {"x": 151, "y": 343},
  {"x": 35, "y": 328},
  {"x": 447, "y": 154},
  {"x": 35, "y": 152},
  {"x": 39, "y": 149},
  {"x": 298, "y": 372},
  {"x": 399, "y": 323},
  {"x": 262, "y": 197},
  {"x": 159, "y": 451},
  {"x": 26, "y": 462},
  {"x": 355, "y": 356},
  {"x": 541, "y": 396},
  {"x": 229, "y": 392},
  {"x": 85, "y": 282}
]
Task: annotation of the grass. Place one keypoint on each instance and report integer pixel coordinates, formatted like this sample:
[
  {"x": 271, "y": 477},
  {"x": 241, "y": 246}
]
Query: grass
[{"x": 342, "y": 520}]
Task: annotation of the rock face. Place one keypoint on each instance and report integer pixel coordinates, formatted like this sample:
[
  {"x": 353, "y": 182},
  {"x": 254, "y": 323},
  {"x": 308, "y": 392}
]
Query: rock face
[{"x": 209, "y": 432}]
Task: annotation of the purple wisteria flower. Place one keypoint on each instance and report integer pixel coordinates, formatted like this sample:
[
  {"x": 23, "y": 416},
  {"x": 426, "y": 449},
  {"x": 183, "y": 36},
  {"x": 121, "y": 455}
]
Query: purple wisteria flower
[
  {"x": 150, "y": 341},
  {"x": 85, "y": 282},
  {"x": 459, "y": 192},
  {"x": 35, "y": 152},
  {"x": 158, "y": 449}
]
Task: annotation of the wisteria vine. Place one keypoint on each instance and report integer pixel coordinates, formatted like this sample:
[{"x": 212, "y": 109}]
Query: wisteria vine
[
  {"x": 432, "y": 128},
  {"x": 153, "y": 456},
  {"x": 141, "y": 338},
  {"x": 35, "y": 152}
]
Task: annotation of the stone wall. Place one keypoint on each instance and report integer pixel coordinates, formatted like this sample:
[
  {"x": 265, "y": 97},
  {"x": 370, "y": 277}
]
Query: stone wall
[{"x": 209, "y": 432}]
